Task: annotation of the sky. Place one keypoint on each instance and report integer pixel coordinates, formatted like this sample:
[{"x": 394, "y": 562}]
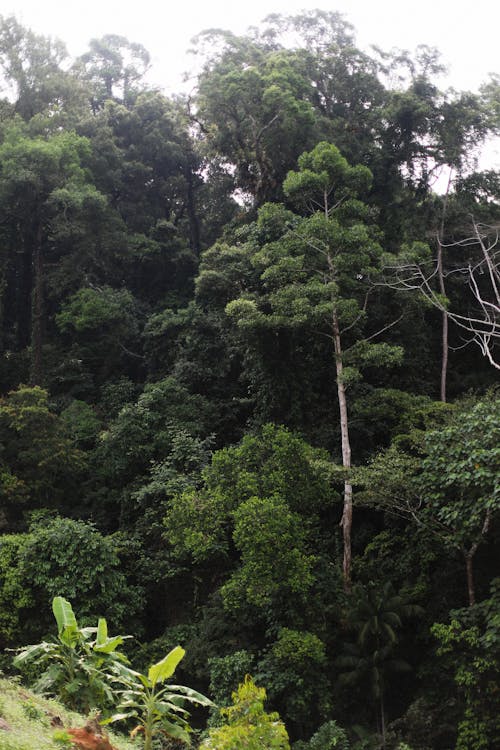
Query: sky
[{"x": 465, "y": 32}]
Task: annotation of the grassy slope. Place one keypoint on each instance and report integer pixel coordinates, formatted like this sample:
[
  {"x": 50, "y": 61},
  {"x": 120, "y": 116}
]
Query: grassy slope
[{"x": 29, "y": 716}]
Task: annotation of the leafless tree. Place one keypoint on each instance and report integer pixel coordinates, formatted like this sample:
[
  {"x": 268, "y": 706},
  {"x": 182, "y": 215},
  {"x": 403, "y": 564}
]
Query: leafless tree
[{"x": 479, "y": 319}]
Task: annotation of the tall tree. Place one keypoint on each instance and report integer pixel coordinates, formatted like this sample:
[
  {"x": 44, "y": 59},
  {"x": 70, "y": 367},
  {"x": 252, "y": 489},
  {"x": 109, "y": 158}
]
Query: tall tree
[
  {"x": 42, "y": 178},
  {"x": 314, "y": 275},
  {"x": 32, "y": 72}
]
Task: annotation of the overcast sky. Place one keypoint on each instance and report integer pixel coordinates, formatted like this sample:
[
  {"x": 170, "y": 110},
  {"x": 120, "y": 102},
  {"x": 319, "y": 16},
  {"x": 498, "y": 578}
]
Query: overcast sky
[{"x": 466, "y": 33}]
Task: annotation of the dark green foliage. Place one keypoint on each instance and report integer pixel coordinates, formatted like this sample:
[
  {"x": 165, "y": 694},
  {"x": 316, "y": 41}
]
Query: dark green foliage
[
  {"x": 196, "y": 283},
  {"x": 294, "y": 669},
  {"x": 62, "y": 556},
  {"x": 40, "y": 465},
  {"x": 328, "y": 737},
  {"x": 470, "y": 645}
]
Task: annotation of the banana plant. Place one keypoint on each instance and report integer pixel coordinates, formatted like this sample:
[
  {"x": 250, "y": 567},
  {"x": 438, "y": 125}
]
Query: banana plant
[
  {"x": 80, "y": 665},
  {"x": 158, "y": 707}
]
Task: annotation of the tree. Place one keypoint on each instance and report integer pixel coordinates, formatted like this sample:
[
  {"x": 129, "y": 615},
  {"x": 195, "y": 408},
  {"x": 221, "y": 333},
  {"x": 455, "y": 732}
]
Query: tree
[
  {"x": 252, "y": 110},
  {"x": 42, "y": 182},
  {"x": 33, "y": 73},
  {"x": 447, "y": 483},
  {"x": 469, "y": 648},
  {"x": 262, "y": 499},
  {"x": 40, "y": 466},
  {"x": 376, "y": 615},
  {"x": 111, "y": 68},
  {"x": 248, "y": 724},
  {"x": 314, "y": 275},
  {"x": 481, "y": 320},
  {"x": 60, "y": 556}
]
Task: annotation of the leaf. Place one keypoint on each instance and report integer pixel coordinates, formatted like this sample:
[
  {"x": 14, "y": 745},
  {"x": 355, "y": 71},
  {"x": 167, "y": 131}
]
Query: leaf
[
  {"x": 118, "y": 717},
  {"x": 175, "y": 731},
  {"x": 110, "y": 645},
  {"x": 65, "y": 617},
  {"x": 192, "y": 695},
  {"x": 31, "y": 652},
  {"x": 102, "y": 633},
  {"x": 165, "y": 668}
]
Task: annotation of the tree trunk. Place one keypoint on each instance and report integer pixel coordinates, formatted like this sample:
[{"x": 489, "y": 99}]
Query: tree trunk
[
  {"x": 470, "y": 577},
  {"x": 444, "y": 324},
  {"x": 37, "y": 311},
  {"x": 194, "y": 226},
  {"x": 382, "y": 718},
  {"x": 346, "y": 521}
]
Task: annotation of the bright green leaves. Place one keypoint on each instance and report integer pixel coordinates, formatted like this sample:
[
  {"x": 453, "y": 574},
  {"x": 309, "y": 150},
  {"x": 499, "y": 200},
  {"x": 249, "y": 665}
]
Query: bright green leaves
[
  {"x": 66, "y": 621},
  {"x": 159, "y": 708},
  {"x": 460, "y": 473},
  {"x": 166, "y": 667},
  {"x": 78, "y": 670},
  {"x": 271, "y": 540},
  {"x": 248, "y": 726},
  {"x": 325, "y": 179},
  {"x": 261, "y": 500},
  {"x": 91, "y": 310}
]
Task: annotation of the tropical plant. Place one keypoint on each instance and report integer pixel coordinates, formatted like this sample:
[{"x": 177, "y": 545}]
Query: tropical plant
[
  {"x": 80, "y": 665},
  {"x": 159, "y": 708},
  {"x": 376, "y": 616},
  {"x": 248, "y": 726}
]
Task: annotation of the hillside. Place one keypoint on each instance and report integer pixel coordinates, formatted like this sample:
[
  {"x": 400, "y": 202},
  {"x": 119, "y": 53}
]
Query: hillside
[{"x": 29, "y": 722}]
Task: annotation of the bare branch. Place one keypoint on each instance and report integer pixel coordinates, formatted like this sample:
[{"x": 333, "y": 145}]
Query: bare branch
[{"x": 482, "y": 323}]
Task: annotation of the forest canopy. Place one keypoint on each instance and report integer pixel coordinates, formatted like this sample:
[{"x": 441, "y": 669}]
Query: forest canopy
[{"x": 249, "y": 345}]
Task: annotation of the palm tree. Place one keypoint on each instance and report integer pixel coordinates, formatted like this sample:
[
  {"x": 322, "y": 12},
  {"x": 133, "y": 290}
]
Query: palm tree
[{"x": 376, "y": 616}]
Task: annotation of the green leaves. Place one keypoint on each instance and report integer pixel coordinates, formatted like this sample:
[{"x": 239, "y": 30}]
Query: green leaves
[
  {"x": 79, "y": 671},
  {"x": 160, "y": 709},
  {"x": 64, "y": 615},
  {"x": 165, "y": 668},
  {"x": 248, "y": 725}
]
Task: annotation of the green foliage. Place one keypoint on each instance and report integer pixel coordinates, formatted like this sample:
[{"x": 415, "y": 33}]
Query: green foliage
[
  {"x": 261, "y": 498},
  {"x": 61, "y": 556},
  {"x": 75, "y": 668},
  {"x": 248, "y": 725},
  {"x": 39, "y": 464},
  {"x": 376, "y": 615},
  {"x": 159, "y": 707},
  {"x": 460, "y": 473},
  {"x": 469, "y": 647},
  {"x": 82, "y": 423},
  {"x": 328, "y": 737},
  {"x": 226, "y": 672},
  {"x": 271, "y": 542},
  {"x": 323, "y": 170},
  {"x": 93, "y": 310},
  {"x": 294, "y": 669}
]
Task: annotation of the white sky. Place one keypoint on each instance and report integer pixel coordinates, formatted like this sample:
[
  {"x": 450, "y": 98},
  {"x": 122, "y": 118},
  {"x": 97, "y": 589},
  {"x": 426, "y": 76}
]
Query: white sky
[{"x": 466, "y": 32}]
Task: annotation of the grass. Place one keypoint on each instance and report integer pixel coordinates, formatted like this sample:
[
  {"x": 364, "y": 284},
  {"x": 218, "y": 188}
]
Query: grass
[{"x": 29, "y": 717}]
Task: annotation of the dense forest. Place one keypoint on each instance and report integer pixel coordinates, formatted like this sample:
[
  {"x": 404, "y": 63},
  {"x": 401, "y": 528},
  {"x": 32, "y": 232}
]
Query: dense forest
[{"x": 249, "y": 341}]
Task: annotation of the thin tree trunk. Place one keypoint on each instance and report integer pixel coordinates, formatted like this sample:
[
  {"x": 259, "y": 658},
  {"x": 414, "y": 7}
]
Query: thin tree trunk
[
  {"x": 37, "y": 313},
  {"x": 469, "y": 556},
  {"x": 194, "y": 226},
  {"x": 346, "y": 521},
  {"x": 444, "y": 317},
  {"x": 382, "y": 718},
  {"x": 470, "y": 578}
]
